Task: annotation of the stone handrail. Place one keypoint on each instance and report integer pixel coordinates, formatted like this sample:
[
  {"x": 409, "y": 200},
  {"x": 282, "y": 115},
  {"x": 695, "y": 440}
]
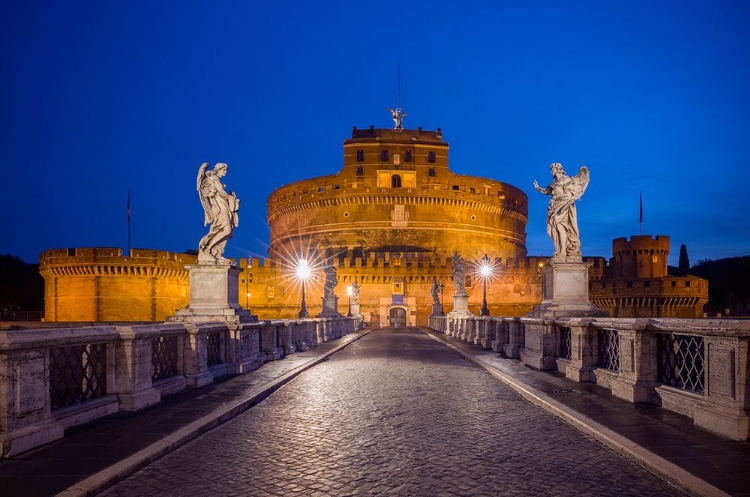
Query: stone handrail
[
  {"x": 53, "y": 379},
  {"x": 696, "y": 367}
]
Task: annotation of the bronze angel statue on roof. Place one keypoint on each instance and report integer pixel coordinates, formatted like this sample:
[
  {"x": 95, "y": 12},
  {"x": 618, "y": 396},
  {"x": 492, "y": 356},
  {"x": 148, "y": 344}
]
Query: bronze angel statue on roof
[
  {"x": 220, "y": 211},
  {"x": 562, "y": 222}
]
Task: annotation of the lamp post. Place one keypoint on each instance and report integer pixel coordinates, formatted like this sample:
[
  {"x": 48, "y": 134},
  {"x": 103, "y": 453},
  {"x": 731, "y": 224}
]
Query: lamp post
[
  {"x": 485, "y": 270},
  {"x": 442, "y": 298},
  {"x": 303, "y": 272},
  {"x": 248, "y": 277},
  {"x": 349, "y": 294}
]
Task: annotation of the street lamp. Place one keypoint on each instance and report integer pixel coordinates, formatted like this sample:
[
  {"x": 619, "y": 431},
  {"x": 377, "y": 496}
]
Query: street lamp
[
  {"x": 349, "y": 294},
  {"x": 248, "y": 277},
  {"x": 485, "y": 270},
  {"x": 303, "y": 272},
  {"x": 442, "y": 298}
]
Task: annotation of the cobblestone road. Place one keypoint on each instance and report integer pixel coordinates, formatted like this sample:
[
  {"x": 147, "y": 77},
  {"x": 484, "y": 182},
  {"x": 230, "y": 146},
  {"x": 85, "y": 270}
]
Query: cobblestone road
[{"x": 395, "y": 413}]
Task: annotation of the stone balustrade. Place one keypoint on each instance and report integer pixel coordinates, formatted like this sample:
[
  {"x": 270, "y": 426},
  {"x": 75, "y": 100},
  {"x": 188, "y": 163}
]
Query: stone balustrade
[
  {"x": 696, "y": 367},
  {"x": 53, "y": 379}
]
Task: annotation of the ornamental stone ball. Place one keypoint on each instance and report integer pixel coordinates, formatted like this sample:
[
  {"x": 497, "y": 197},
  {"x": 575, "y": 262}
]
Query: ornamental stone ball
[{"x": 220, "y": 211}]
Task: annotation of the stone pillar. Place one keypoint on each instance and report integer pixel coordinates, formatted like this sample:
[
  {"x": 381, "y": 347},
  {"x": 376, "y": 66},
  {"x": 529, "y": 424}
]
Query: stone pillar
[
  {"x": 330, "y": 306},
  {"x": 214, "y": 292},
  {"x": 196, "y": 357},
  {"x": 437, "y": 309},
  {"x": 133, "y": 363},
  {"x": 583, "y": 350},
  {"x": 638, "y": 368},
  {"x": 565, "y": 291},
  {"x": 539, "y": 348},
  {"x": 460, "y": 306},
  {"x": 726, "y": 409},
  {"x": 355, "y": 309}
]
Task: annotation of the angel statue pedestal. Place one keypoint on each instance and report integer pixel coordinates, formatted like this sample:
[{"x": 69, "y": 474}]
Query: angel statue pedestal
[
  {"x": 565, "y": 291},
  {"x": 330, "y": 302},
  {"x": 214, "y": 293}
]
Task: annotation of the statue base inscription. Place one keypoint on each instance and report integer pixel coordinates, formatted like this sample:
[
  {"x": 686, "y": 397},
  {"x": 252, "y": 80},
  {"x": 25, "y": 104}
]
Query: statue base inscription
[
  {"x": 565, "y": 291},
  {"x": 214, "y": 291},
  {"x": 330, "y": 307},
  {"x": 460, "y": 306}
]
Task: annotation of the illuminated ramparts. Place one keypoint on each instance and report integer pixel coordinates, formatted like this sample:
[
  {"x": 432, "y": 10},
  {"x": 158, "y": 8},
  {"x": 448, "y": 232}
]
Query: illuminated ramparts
[{"x": 100, "y": 284}]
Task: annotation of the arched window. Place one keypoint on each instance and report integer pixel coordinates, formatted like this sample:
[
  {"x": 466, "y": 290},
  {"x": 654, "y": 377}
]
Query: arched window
[{"x": 395, "y": 181}]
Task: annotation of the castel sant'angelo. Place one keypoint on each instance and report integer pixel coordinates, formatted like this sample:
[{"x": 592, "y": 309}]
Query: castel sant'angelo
[{"x": 390, "y": 220}]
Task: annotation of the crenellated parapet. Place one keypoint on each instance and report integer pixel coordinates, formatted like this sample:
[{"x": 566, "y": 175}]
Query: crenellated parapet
[
  {"x": 643, "y": 256},
  {"x": 102, "y": 284},
  {"x": 637, "y": 283}
]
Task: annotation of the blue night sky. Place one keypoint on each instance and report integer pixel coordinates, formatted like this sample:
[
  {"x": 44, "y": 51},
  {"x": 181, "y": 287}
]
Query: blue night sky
[{"x": 101, "y": 97}]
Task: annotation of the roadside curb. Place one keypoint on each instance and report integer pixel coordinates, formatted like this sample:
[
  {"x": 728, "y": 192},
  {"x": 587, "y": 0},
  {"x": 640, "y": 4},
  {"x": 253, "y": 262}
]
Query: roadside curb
[
  {"x": 667, "y": 471},
  {"x": 104, "y": 479}
]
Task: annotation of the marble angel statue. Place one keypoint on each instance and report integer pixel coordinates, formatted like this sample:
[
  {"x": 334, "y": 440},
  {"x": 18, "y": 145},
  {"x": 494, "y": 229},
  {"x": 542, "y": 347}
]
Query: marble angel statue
[
  {"x": 562, "y": 222},
  {"x": 220, "y": 211}
]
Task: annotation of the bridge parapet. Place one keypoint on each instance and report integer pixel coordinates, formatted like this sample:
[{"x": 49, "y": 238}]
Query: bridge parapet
[
  {"x": 54, "y": 379},
  {"x": 696, "y": 367}
]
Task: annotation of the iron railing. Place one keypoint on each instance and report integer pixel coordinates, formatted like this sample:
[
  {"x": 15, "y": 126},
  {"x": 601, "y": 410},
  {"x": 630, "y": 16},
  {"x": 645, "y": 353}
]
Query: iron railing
[
  {"x": 164, "y": 354},
  {"x": 681, "y": 361},
  {"x": 565, "y": 343},
  {"x": 77, "y": 373},
  {"x": 213, "y": 348},
  {"x": 609, "y": 350}
]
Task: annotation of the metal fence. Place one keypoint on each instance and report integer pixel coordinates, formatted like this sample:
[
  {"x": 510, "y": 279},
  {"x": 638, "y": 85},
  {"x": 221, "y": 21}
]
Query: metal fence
[
  {"x": 609, "y": 350},
  {"x": 680, "y": 361},
  {"x": 77, "y": 373}
]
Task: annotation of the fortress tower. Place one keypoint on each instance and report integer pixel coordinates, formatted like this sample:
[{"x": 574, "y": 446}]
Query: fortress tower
[
  {"x": 642, "y": 256},
  {"x": 396, "y": 193},
  {"x": 637, "y": 283}
]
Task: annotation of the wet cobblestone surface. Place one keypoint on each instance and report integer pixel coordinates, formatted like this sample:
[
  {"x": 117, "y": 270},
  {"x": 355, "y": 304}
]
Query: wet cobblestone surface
[{"x": 395, "y": 413}]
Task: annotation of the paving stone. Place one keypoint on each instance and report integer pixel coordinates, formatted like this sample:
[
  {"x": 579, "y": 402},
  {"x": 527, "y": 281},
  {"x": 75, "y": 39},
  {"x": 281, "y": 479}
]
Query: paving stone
[{"x": 395, "y": 413}]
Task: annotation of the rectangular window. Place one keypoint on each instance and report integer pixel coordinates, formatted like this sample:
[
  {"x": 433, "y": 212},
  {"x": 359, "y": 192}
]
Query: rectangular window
[
  {"x": 396, "y": 159},
  {"x": 360, "y": 155},
  {"x": 430, "y": 156},
  {"x": 647, "y": 284},
  {"x": 431, "y": 172},
  {"x": 360, "y": 171},
  {"x": 687, "y": 284},
  {"x": 472, "y": 190},
  {"x": 383, "y": 155},
  {"x": 407, "y": 156}
]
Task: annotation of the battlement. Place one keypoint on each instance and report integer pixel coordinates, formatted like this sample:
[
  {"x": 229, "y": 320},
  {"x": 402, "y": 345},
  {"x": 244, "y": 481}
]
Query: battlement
[
  {"x": 109, "y": 261},
  {"x": 397, "y": 135},
  {"x": 639, "y": 243}
]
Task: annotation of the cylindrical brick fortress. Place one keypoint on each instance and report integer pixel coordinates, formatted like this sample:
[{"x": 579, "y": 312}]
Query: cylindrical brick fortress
[{"x": 396, "y": 193}]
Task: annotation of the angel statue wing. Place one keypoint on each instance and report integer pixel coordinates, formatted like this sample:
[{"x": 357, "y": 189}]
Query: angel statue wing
[
  {"x": 579, "y": 182},
  {"x": 207, "y": 218}
]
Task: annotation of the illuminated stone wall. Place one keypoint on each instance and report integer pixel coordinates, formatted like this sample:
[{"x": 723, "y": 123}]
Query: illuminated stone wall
[
  {"x": 637, "y": 283},
  {"x": 100, "y": 284},
  {"x": 396, "y": 193}
]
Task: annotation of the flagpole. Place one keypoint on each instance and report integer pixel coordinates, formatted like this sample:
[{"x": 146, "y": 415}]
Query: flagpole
[
  {"x": 128, "y": 222},
  {"x": 640, "y": 219}
]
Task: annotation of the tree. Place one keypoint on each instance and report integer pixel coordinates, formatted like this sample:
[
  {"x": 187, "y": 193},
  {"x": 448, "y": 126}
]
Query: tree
[{"x": 684, "y": 265}]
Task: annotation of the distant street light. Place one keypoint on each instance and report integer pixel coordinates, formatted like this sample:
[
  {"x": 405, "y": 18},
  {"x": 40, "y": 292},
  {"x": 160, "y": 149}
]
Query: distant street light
[
  {"x": 442, "y": 298},
  {"x": 485, "y": 269},
  {"x": 303, "y": 272},
  {"x": 248, "y": 278}
]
